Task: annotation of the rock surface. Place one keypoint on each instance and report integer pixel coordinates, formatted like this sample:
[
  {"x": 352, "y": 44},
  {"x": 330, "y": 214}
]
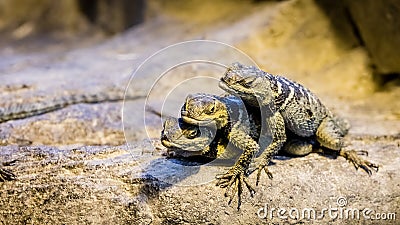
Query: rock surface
[{"x": 77, "y": 165}]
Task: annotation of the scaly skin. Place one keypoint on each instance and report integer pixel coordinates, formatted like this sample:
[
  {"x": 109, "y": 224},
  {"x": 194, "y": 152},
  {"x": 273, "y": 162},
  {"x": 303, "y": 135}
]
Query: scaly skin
[
  {"x": 229, "y": 115},
  {"x": 287, "y": 105},
  {"x": 296, "y": 118},
  {"x": 183, "y": 139},
  {"x": 186, "y": 140}
]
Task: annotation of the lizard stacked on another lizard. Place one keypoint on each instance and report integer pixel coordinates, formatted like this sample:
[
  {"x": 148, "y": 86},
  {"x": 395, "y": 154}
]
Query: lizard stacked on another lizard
[
  {"x": 286, "y": 107},
  {"x": 186, "y": 140},
  {"x": 232, "y": 119}
]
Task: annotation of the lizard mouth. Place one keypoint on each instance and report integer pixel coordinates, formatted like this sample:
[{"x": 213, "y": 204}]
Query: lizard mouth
[
  {"x": 169, "y": 144},
  {"x": 193, "y": 121},
  {"x": 176, "y": 152},
  {"x": 174, "y": 149},
  {"x": 238, "y": 88},
  {"x": 224, "y": 85}
]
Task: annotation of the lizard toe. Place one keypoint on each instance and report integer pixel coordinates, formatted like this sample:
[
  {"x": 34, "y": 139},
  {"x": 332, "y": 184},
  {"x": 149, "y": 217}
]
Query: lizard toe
[
  {"x": 259, "y": 171},
  {"x": 233, "y": 182},
  {"x": 353, "y": 157}
]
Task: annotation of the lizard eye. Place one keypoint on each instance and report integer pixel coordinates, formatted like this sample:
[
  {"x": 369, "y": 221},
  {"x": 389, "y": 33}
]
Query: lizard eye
[
  {"x": 192, "y": 134},
  {"x": 243, "y": 83},
  {"x": 246, "y": 82},
  {"x": 211, "y": 110}
]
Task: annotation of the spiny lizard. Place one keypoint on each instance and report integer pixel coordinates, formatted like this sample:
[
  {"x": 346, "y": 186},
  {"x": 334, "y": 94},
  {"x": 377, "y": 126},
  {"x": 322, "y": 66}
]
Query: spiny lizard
[
  {"x": 231, "y": 119},
  {"x": 288, "y": 109},
  {"x": 287, "y": 105},
  {"x": 186, "y": 140}
]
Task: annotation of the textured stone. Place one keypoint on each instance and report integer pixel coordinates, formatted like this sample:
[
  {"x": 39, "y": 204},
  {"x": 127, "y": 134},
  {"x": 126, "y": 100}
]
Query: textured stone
[
  {"x": 73, "y": 167},
  {"x": 378, "y": 23}
]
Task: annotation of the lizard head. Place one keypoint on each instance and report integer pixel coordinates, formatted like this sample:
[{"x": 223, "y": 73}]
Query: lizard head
[
  {"x": 247, "y": 82},
  {"x": 185, "y": 140},
  {"x": 204, "y": 110}
]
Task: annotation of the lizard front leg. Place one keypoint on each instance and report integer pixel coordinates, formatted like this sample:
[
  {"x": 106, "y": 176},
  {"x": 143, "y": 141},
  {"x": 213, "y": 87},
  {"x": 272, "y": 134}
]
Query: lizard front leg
[
  {"x": 235, "y": 177},
  {"x": 276, "y": 125}
]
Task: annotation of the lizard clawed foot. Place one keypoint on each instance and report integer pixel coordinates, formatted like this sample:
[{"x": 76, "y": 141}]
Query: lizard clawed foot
[
  {"x": 233, "y": 182},
  {"x": 260, "y": 168},
  {"x": 353, "y": 157},
  {"x": 6, "y": 175},
  {"x": 361, "y": 152},
  {"x": 259, "y": 165}
]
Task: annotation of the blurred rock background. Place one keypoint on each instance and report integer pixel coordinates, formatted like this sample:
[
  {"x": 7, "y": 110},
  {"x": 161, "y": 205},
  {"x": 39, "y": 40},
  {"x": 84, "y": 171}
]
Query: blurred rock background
[
  {"x": 373, "y": 23},
  {"x": 26, "y": 17},
  {"x": 73, "y": 165}
]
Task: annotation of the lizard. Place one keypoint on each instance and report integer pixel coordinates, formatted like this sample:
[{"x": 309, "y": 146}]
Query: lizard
[
  {"x": 184, "y": 140},
  {"x": 187, "y": 140},
  {"x": 231, "y": 118},
  {"x": 289, "y": 109},
  {"x": 289, "y": 106}
]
